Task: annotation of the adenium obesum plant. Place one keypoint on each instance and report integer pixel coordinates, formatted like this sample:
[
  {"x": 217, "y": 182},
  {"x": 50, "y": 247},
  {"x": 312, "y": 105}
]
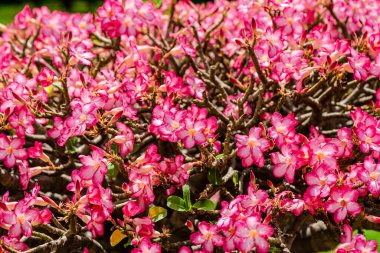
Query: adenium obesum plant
[{"x": 169, "y": 126}]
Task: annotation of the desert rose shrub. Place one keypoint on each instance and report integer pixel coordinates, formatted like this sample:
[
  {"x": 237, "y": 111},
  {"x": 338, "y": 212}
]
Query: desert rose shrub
[{"x": 242, "y": 126}]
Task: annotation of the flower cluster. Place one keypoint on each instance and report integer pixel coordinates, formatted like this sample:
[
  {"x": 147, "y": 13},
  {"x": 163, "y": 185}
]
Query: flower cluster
[{"x": 165, "y": 126}]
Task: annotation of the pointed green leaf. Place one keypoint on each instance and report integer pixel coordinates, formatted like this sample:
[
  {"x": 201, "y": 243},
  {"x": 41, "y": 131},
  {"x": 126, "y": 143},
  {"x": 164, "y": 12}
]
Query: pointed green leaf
[
  {"x": 157, "y": 3},
  {"x": 235, "y": 178},
  {"x": 220, "y": 156},
  {"x": 214, "y": 176},
  {"x": 112, "y": 171},
  {"x": 186, "y": 196},
  {"x": 176, "y": 203},
  {"x": 205, "y": 204}
]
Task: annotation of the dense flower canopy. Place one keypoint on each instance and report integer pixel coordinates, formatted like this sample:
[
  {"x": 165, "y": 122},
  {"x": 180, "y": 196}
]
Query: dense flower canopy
[{"x": 169, "y": 126}]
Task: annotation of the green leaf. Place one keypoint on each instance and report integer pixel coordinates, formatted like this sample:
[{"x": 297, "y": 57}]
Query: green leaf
[
  {"x": 205, "y": 204},
  {"x": 135, "y": 148},
  {"x": 157, "y": 3},
  {"x": 220, "y": 156},
  {"x": 72, "y": 144},
  {"x": 186, "y": 196},
  {"x": 235, "y": 178},
  {"x": 115, "y": 148},
  {"x": 112, "y": 171},
  {"x": 157, "y": 213},
  {"x": 176, "y": 203},
  {"x": 214, "y": 176},
  {"x": 129, "y": 243}
]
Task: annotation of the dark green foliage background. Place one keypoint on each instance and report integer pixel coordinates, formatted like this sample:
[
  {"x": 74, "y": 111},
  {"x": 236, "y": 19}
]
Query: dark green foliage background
[{"x": 9, "y": 8}]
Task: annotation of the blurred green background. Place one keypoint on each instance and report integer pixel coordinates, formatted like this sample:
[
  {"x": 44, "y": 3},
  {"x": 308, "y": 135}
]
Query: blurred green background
[{"x": 9, "y": 8}]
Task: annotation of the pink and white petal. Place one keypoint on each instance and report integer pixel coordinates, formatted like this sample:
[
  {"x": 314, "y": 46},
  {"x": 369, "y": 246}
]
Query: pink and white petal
[
  {"x": 20, "y": 154},
  {"x": 312, "y": 179},
  {"x": 204, "y": 227},
  {"x": 200, "y": 138},
  {"x": 265, "y": 230},
  {"x": 189, "y": 142},
  {"x": 289, "y": 175},
  {"x": 246, "y": 245},
  {"x": 208, "y": 247},
  {"x": 353, "y": 208},
  {"x": 314, "y": 190},
  {"x": 262, "y": 245},
  {"x": 87, "y": 172},
  {"x": 98, "y": 177},
  {"x": 340, "y": 214},
  {"x": 3, "y": 154},
  {"x": 9, "y": 218},
  {"x": 183, "y": 134},
  {"x": 17, "y": 143},
  {"x": 280, "y": 21},
  {"x": 331, "y": 206},
  {"x": 279, "y": 170},
  {"x": 241, "y": 230},
  {"x": 247, "y": 162},
  {"x": 372, "y": 245},
  {"x": 244, "y": 151},
  {"x": 27, "y": 228},
  {"x": 197, "y": 238},
  {"x": 351, "y": 195},
  {"x": 218, "y": 240},
  {"x": 10, "y": 161},
  {"x": 4, "y": 141},
  {"x": 15, "y": 230}
]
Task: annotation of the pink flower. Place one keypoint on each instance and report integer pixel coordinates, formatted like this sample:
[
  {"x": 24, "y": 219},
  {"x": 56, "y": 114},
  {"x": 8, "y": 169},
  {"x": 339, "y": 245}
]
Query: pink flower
[
  {"x": 281, "y": 127},
  {"x": 143, "y": 226},
  {"x": 83, "y": 115},
  {"x": 344, "y": 142},
  {"x": 126, "y": 140},
  {"x": 14, "y": 243},
  {"x": 192, "y": 133},
  {"x": 254, "y": 199},
  {"x": 94, "y": 167},
  {"x": 250, "y": 148},
  {"x": 368, "y": 135},
  {"x": 22, "y": 122},
  {"x": 343, "y": 201},
  {"x": 46, "y": 77},
  {"x": 320, "y": 181},
  {"x": 323, "y": 154},
  {"x": 370, "y": 174},
  {"x": 173, "y": 124},
  {"x": 196, "y": 87},
  {"x": 100, "y": 197},
  {"x": 232, "y": 109},
  {"x": 19, "y": 220},
  {"x": 208, "y": 237},
  {"x": 146, "y": 246},
  {"x": 374, "y": 42},
  {"x": 95, "y": 225},
  {"x": 141, "y": 188},
  {"x": 285, "y": 163},
  {"x": 80, "y": 53},
  {"x": 253, "y": 234},
  {"x": 291, "y": 21},
  {"x": 362, "y": 245},
  {"x": 10, "y": 150},
  {"x": 131, "y": 209},
  {"x": 360, "y": 64}
]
